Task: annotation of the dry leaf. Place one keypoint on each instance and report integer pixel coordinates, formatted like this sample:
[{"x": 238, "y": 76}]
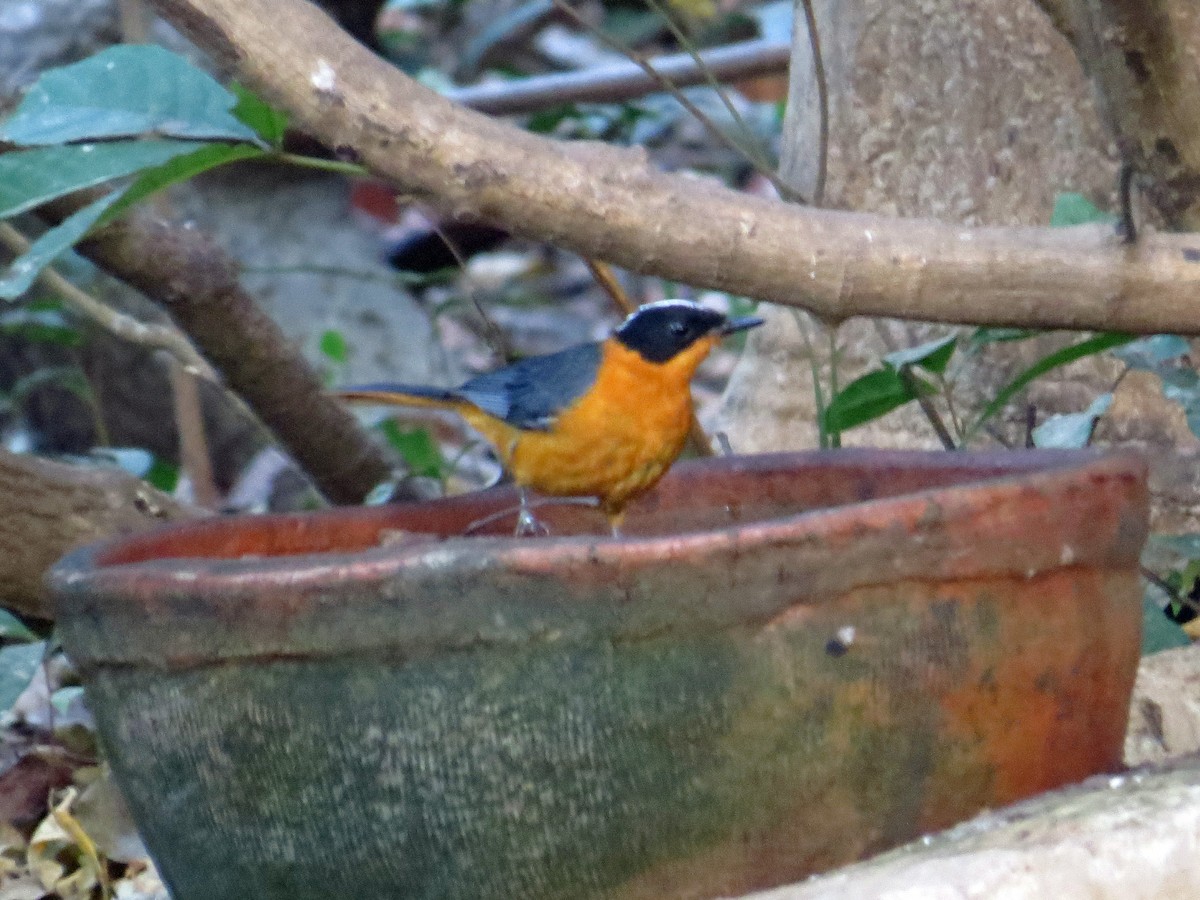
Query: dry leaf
[
  {"x": 12, "y": 851},
  {"x": 104, "y": 817},
  {"x": 141, "y": 882},
  {"x": 22, "y": 887},
  {"x": 63, "y": 857}
]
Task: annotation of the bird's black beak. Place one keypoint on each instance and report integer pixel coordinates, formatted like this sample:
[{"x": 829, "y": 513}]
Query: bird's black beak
[{"x": 732, "y": 326}]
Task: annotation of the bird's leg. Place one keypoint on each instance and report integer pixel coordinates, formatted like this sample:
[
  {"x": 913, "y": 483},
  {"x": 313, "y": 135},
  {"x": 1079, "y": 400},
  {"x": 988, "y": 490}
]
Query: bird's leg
[
  {"x": 615, "y": 518},
  {"x": 527, "y": 523}
]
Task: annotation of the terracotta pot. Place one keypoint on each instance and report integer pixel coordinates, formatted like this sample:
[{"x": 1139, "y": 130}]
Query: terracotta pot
[{"x": 792, "y": 661}]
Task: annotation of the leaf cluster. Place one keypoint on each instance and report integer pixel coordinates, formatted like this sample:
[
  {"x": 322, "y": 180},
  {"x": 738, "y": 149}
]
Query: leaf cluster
[{"x": 136, "y": 117}]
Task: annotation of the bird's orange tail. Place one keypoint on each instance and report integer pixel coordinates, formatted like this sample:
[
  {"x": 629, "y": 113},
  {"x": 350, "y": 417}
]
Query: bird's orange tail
[{"x": 401, "y": 395}]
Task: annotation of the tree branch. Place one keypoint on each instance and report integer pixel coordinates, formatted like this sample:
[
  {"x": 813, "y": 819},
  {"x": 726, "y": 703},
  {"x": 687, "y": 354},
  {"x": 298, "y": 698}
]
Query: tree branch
[
  {"x": 185, "y": 272},
  {"x": 624, "y": 81},
  {"x": 1144, "y": 58},
  {"x": 609, "y": 204},
  {"x": 48, "y": 508}
]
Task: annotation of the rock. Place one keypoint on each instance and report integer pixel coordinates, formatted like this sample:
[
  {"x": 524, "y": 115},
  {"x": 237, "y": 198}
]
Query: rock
[
  {"x": 1164, "y": 716},
  {"x": 1121, "y": 837}
]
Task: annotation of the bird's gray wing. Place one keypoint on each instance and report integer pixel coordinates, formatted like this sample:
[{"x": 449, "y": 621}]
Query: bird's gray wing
[{"x": 531, "y": 393}]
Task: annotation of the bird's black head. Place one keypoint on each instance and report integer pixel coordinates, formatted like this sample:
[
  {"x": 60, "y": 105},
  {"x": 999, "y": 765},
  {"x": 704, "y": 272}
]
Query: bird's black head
[{"x": 660, "y": 331}]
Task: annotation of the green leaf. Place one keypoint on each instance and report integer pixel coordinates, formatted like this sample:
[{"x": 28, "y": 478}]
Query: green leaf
[
  {"x": 140, "y": 463},
  {"x": 1184, "y": 583},
  {"x": 334, "y": 346},
  {"x": 1088, "y": 347},
  {"x": 29, "y": 178},
  {"x": 871, "y": 396},
  {"x": 13, "y": 629},
  {"x": 1071, "y": 431},
  {"x": 547, "y": 120},
  {"x": 162, "y": 475},
  {"x": 932, "y": 356},
  {"x": 985, "y": 336},
  {"x": 43, "y": 326},
  {"x": 208, "y": 156},
  {"x": 1076, "y": 209},
  {"x": 19, "y": 663},
  {"x": 1158, "y": 631},
  {"x": 268, "y": 122},
  {"x": 418, "y": 450},
  {"x": 26, "y": 268},
  {"x": 124, "y": 91}
]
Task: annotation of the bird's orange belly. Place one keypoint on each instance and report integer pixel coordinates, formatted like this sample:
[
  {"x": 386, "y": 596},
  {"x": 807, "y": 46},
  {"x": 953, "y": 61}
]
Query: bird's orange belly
[{"x": 610, "y": 450}]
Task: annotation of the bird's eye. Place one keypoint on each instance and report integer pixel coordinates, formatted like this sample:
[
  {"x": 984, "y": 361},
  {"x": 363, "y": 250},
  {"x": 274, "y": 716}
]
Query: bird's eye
[{"x": 679, "y": 329}]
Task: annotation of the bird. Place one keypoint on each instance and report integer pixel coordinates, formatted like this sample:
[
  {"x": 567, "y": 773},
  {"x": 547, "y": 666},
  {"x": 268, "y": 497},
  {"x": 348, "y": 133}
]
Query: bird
[{"x": 602, "y": 420}]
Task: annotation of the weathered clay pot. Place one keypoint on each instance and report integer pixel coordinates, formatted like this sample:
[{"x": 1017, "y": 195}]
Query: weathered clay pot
[{"x": 791, "y": 661}]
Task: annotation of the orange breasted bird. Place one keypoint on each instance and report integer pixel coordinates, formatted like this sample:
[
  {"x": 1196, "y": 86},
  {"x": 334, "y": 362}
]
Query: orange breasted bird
[{"x": 603, "y": 419}]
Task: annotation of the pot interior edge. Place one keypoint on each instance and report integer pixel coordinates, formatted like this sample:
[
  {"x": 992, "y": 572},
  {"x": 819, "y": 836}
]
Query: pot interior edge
[{"x": 696, "y": 496}]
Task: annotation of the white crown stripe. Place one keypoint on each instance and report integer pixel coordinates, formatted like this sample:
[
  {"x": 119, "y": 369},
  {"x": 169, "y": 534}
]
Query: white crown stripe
[{"x": 661, "y": 304}]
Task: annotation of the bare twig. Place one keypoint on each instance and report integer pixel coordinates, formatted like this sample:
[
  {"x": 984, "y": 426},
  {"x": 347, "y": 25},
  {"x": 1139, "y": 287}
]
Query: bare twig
[
  {"x": 814, "y": 40},
  {"x": 927, "y": 407},
  {"x": 672, "y": 88},
  {"x": 151, "y": 336},
  {"x": 496, "y": 338},
  {"x": 824, "y": 438},
  {"x": 689, "y": 47},
  {"x": 1172, "y": 594},
  {"x": 925, "y": 403},
  {"x": 1128, "y": 224},
  {"x": 626, "y": 81},
  {"x": 194, "y": 457},
  {"x": 835, "y": 388},
  {"x": 607, "y": 279}
]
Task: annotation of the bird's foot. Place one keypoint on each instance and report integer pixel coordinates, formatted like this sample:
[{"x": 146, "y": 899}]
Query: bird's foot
[
  {"x": 529, "y": 525},
  {"x": 614, "y": 522}
]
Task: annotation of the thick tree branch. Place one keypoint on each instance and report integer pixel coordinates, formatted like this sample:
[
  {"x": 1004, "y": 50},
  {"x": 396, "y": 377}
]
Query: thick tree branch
[
  {"x": 196, "y": 282},
  {"x": 1144, "y": 58},
  {"x": 48, "y": 508},
  {"x": 609, "y": 204}
]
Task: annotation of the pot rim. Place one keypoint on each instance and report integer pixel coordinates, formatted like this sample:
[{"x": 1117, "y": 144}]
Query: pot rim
[{"x": 998, "y": 471}]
